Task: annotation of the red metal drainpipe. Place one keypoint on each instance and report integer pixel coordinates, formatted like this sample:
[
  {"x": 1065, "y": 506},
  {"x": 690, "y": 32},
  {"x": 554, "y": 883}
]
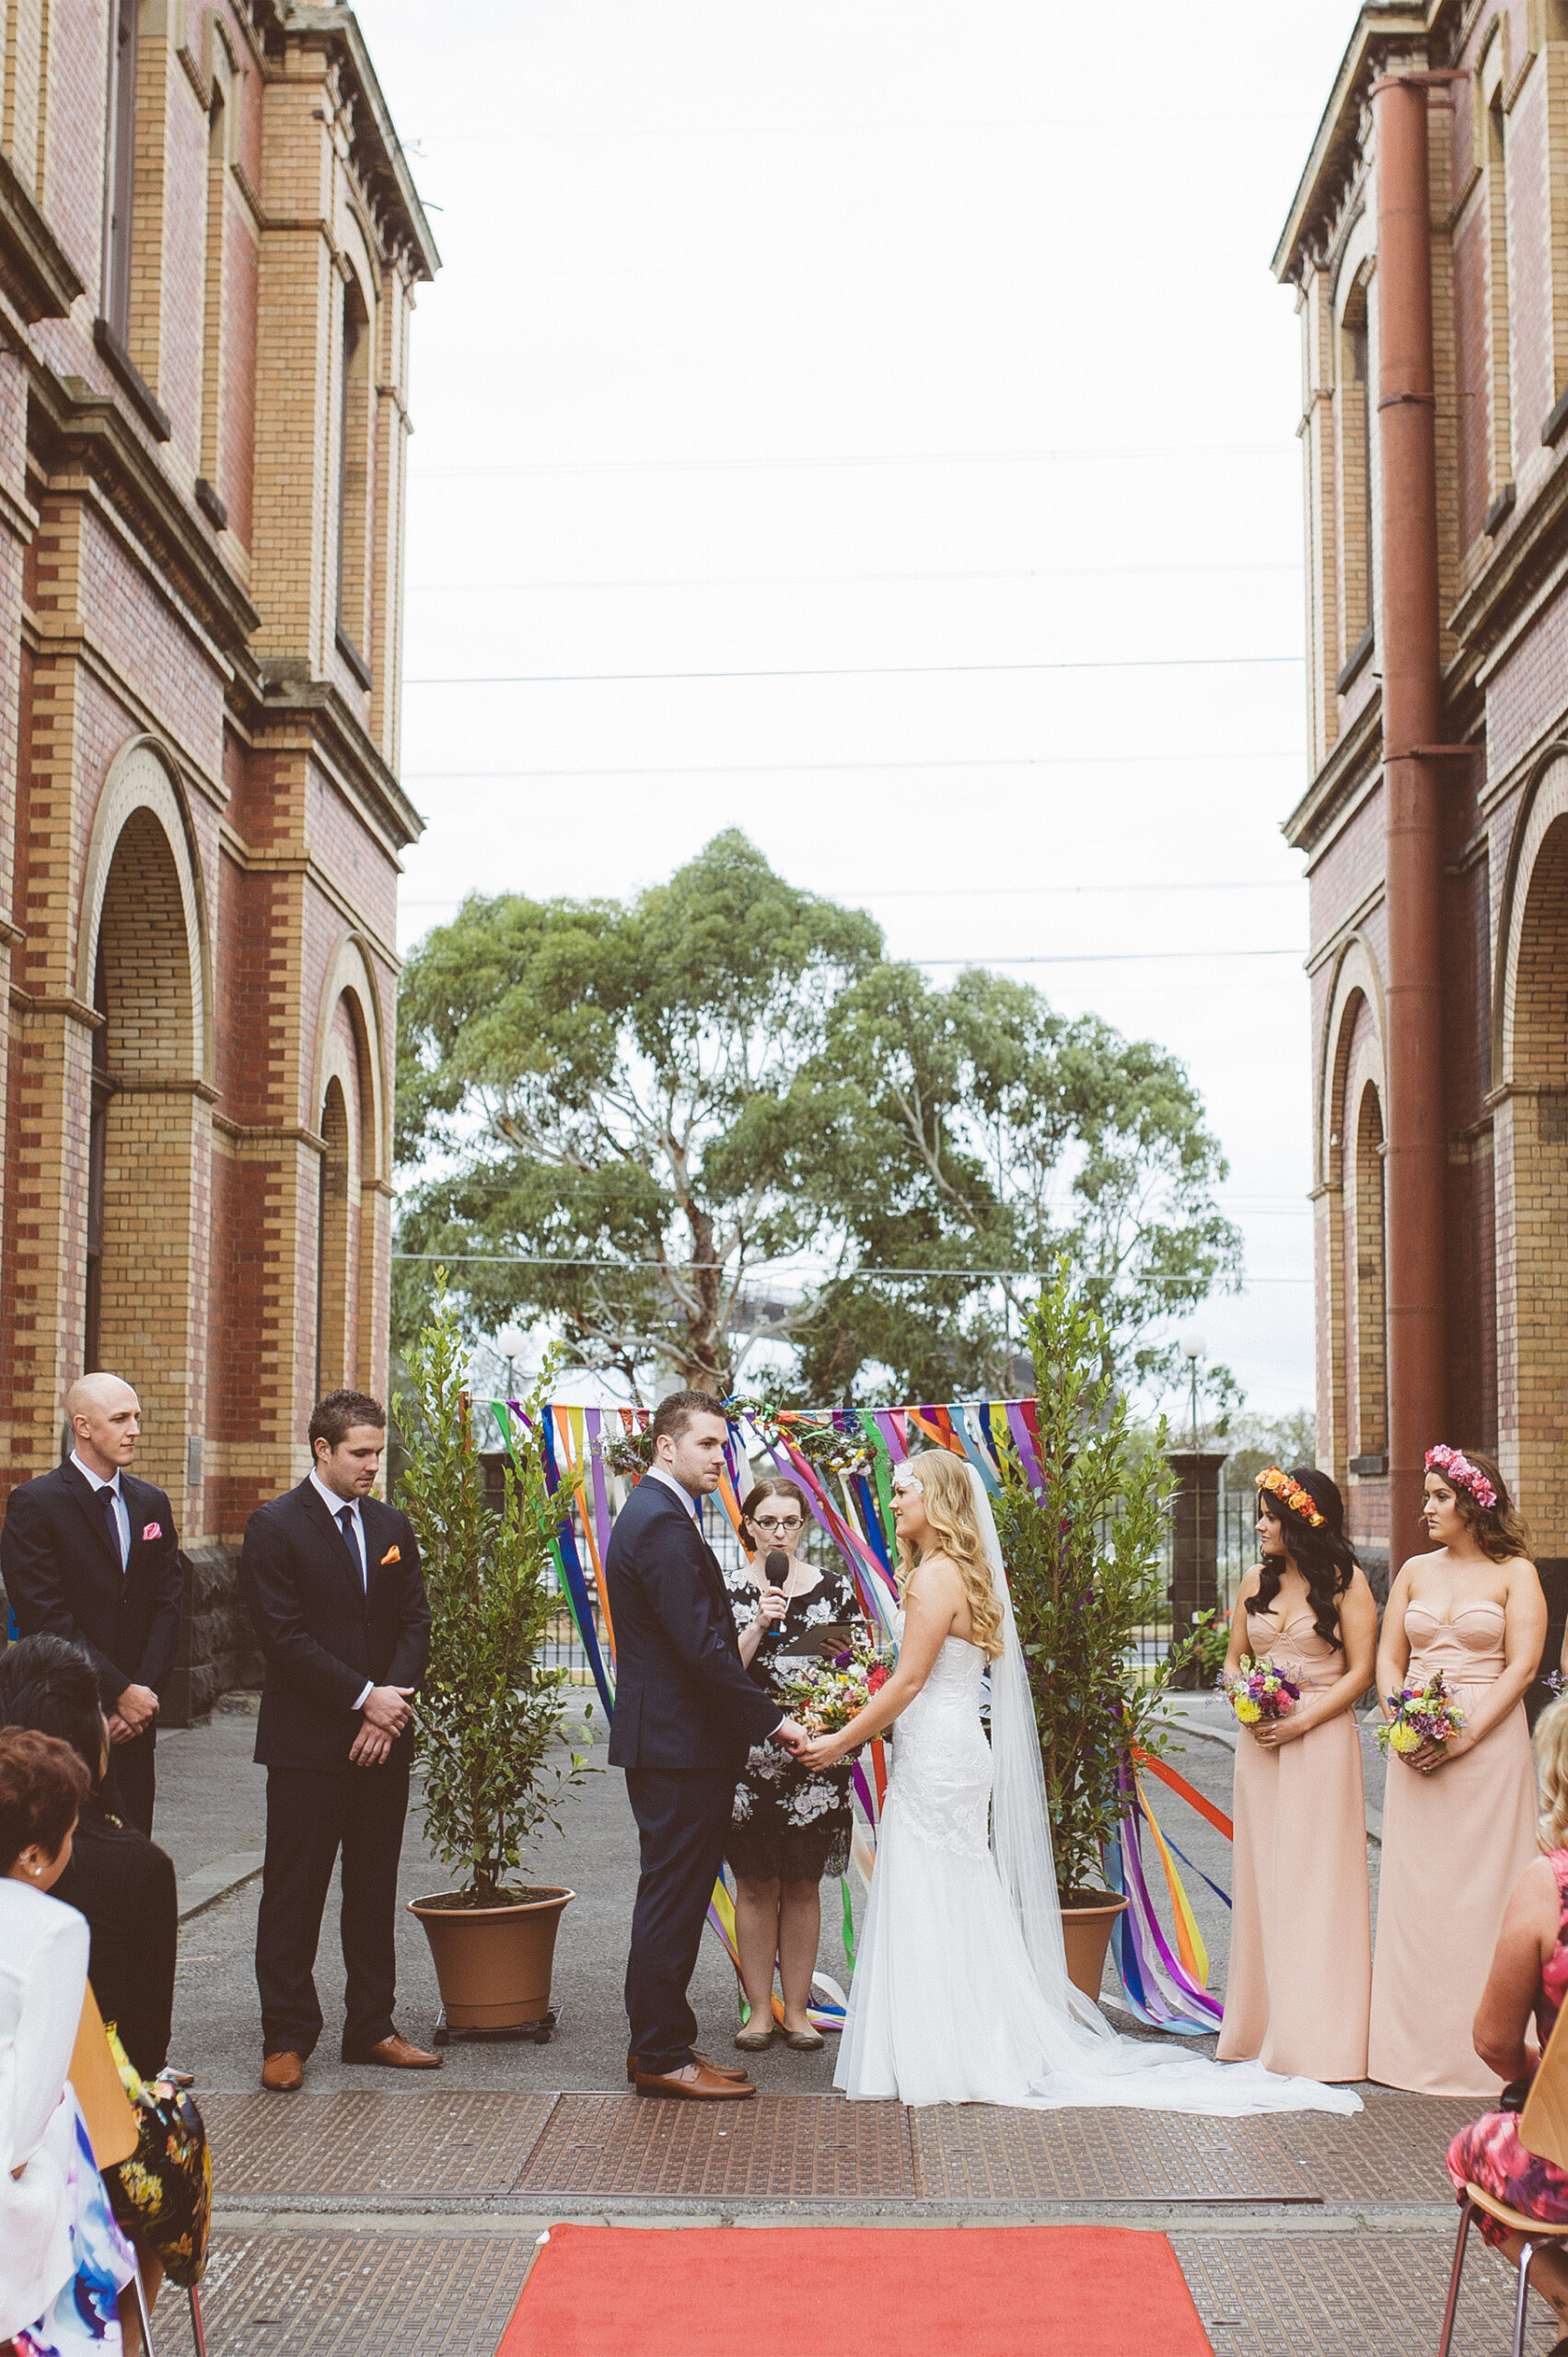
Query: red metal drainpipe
[{"x": 1416, "y": 1133}]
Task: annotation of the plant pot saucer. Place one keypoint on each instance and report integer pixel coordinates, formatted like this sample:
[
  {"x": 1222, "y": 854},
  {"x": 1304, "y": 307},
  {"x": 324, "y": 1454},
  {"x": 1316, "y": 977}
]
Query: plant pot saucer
[{"x": 539, "y": 2032}]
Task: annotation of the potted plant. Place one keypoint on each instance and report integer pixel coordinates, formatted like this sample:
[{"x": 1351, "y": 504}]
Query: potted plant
[
  {"x": 1083, "y": 1554},
  {"x": 490, "y": 1721}
]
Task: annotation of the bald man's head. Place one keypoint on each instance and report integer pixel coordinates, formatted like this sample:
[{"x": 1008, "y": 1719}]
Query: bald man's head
[{"x": 105, "y": 1422}]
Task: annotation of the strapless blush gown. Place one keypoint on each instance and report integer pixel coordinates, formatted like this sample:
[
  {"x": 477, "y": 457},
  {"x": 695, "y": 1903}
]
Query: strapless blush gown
[
  {"x": 1454, "y": 1843},
  {"x": 1300, "y": 1982}
]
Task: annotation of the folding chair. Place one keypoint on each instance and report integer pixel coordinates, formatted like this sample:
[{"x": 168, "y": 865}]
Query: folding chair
[{"x": 1543, "y": 2129}]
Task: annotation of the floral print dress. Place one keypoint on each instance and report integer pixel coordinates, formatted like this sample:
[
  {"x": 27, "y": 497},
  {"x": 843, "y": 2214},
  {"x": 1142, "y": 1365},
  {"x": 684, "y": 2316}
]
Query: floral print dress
[
  {"x": 1488, "y": 2152},
  {"x": 790, "y": 1822}
]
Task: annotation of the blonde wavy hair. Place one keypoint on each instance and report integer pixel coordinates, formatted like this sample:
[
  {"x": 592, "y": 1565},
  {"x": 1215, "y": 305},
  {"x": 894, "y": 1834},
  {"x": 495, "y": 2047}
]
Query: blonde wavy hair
[
  {"x": 948, "y": 1495},
  {"x": 1551, "y": 1767}
]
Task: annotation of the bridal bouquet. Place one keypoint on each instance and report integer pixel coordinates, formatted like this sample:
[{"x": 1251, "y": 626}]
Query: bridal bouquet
[
  {"x": 825, "y": 1695},
  {"x": 1422, "y": 1714},
  {"x": 1258, "y": 1690}
]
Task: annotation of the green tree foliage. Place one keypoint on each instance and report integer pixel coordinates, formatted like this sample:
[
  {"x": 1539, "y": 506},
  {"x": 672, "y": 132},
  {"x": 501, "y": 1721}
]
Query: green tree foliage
[
  {"x": 729, "y": 1072},
  {"x": 1082, "y": 1557},
  {"x": 613, "y": 1085},
  {"x": 489, "y": 1720}
]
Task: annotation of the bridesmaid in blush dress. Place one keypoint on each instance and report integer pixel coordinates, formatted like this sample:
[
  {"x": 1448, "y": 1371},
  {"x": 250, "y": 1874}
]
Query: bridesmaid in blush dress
[
  {"x": 1458, "y": 1819},
  {"x": 1299, "y": 1984}
]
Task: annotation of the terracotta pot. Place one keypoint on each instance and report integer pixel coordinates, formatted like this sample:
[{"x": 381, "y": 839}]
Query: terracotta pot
[
  {"x": 493, "y": 1963},
  {"x": 1085, "y": 1929}
]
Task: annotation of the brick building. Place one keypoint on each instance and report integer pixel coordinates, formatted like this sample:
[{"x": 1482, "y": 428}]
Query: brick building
[
  {"x": 209, "y": 246},
  {"x": 1428, "y": 248}
]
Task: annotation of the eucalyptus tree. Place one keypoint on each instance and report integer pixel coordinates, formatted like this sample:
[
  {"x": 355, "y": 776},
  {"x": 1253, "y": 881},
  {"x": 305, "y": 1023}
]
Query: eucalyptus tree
[{"x": 619, "y": 1117}]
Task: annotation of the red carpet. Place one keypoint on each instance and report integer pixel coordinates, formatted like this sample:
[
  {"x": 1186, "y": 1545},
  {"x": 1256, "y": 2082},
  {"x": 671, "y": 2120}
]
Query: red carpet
[{"x": 881, "y": 2291}]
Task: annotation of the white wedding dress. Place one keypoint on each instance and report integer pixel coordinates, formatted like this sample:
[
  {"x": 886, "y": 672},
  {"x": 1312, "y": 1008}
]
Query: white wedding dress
[{"x": 960, "y": 1993}]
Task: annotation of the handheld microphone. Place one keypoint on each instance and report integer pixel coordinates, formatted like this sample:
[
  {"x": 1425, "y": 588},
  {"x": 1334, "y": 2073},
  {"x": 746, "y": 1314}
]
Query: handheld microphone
[{"x": 777, "y": 1568}]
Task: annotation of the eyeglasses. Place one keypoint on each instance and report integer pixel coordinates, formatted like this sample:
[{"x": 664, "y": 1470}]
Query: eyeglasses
[{"x": 768, "y": 1521}]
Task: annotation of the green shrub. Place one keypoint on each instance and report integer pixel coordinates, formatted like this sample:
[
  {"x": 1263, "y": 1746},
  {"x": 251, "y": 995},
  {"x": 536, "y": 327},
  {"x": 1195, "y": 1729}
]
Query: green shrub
[{"x": 490, "y": 1719}]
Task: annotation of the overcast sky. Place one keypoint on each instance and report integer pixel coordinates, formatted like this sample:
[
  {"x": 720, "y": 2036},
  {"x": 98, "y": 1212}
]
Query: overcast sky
[{"x": 928, "y": 355}]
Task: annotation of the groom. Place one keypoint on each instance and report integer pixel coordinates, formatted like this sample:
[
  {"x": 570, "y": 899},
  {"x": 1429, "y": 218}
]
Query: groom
[{"x": 686, "y": 1715}]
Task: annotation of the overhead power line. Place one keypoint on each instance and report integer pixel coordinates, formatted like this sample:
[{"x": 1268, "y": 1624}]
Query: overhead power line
[
  {"x": 816, "y": 580},
  {"x": 1059, "y": 456},
  {"x": 692, "y": 1268},
  {"x": 1100, "y": 957},
  {"x": 854, "y": 671},
  {"x": 804, "y": 768},
  {"x": 1012, "y": 891}
]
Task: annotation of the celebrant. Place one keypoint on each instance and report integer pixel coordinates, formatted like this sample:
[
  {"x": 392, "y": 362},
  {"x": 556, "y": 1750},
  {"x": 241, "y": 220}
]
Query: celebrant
[
  {"x": 1303, "y": 1636},
  {"x": 791, "y": 1824}
]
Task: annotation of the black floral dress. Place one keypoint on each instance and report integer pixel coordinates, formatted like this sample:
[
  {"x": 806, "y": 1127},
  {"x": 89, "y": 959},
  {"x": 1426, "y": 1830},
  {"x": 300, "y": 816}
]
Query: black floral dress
[{"x": 790, "y": 1821}]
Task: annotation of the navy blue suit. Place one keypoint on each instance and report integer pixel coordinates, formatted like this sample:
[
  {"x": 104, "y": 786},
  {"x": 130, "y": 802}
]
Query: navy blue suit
[
  {"x": 686, "y": 1714},
  {"x": 327, "y": 1634}
]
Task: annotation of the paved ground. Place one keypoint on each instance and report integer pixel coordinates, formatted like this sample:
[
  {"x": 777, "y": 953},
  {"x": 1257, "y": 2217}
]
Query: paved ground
[{"x": 376, "y": 2214}]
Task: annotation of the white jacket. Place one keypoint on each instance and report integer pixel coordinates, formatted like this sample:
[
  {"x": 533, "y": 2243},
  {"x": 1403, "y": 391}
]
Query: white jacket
[{"x": 43, "y": 1975}]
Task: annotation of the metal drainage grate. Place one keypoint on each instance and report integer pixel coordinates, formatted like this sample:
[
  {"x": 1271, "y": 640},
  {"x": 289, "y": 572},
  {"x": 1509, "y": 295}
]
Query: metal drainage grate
[
  {"x": 350, "y": 2295},
  {"x": 1339, "y": 2295},
  {"x": 978, "y": 2153},
  {"x": 776, "y": 2148},
  {"x": 1391, "y": 2151},
  {"x": 349, "y": 2143}
]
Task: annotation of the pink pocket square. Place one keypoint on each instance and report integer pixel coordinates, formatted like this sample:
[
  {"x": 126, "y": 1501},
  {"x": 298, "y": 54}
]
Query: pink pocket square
[{"x": 152, "y": 1530}]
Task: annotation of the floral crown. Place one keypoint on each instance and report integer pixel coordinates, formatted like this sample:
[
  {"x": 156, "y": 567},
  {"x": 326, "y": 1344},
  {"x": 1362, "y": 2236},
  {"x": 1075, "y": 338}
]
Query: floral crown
[
  {"x": 1456, "y": 1468},
  {"x": 1295, "y": 1496}
]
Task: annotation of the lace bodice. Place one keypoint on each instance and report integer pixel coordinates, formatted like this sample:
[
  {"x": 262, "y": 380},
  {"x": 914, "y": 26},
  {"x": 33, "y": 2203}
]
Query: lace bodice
[{"x": 941, "y": 1782}]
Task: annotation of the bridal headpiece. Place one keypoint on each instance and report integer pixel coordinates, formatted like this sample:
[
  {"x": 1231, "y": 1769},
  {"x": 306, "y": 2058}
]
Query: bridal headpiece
[
  {"x": 1456, "y": 1468},
  {"x": 1292, "y": 1494}
]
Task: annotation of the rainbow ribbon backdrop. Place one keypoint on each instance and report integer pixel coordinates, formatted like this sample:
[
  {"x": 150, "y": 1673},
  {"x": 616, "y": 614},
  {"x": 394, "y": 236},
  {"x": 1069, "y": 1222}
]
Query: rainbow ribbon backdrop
[{"x": 1163, "y": 1986}]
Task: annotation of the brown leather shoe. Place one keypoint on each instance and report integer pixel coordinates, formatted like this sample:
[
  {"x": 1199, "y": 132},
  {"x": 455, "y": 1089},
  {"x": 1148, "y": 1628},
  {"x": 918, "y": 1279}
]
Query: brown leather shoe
[
  {"x": 695, "y": 2082},
  {"x": 395, "y": 2053},
  {"x": 723, "y": 2069},
  {"x": 283, "y": 2075}
]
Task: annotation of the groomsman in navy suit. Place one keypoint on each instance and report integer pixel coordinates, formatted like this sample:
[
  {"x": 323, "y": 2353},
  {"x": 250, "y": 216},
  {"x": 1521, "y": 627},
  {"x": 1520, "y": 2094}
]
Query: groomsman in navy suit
[
  {"x": 89, "y": 1553},
  {"x": 331, "y": 1577}
]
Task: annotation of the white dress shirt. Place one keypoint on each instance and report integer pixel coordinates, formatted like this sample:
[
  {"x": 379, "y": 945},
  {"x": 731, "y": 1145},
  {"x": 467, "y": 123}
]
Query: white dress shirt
[
  {"x": 334, "y": 1505},
  {"x": 681, "y": 1492},
  {"x": 121, "y": 1511}
]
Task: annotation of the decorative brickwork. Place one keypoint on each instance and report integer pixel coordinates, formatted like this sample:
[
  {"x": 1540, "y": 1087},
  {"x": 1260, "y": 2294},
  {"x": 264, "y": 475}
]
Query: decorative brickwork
[
  {"x": 201, "y": 466},
  {"x": 1498, "y": 1065}
]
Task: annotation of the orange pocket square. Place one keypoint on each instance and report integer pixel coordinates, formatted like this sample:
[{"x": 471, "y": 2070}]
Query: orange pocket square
[{"x": 393, "y": 1555}]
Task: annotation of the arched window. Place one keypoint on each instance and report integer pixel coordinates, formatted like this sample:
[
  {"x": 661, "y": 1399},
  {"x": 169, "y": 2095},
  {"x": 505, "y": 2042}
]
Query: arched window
[
  {"x": 1371, "y": 1284},
  {"x": 333, "y": 1352},
  {"x": 1357, "y": 528},
  {"x": 354, "y": 484},
  {"x": 120, "y": 166},
  {"x": 1501, "y": 440}
]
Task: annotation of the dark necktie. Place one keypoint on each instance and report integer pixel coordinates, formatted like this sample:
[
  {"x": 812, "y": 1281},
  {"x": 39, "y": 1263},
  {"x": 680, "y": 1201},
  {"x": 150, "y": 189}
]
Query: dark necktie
[
  {"x": 345, "y": 1524},
  {"x": 106, "y": 1500}
]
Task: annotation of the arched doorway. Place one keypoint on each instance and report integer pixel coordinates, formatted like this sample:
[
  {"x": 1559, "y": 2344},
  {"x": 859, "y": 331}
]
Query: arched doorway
[
  {"x": 144, "y": 1244},
  {"x": 1532, "y": 1163}
]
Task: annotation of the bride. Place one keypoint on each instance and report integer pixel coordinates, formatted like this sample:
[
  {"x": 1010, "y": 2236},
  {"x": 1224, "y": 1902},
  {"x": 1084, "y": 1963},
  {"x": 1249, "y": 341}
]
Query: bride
[{"x": 960, "y": 1993}]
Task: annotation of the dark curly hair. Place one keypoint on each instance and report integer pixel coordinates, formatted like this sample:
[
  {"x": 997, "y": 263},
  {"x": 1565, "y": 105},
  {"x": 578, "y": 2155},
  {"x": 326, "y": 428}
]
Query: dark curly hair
[{"x": 1324, "y": 1557}]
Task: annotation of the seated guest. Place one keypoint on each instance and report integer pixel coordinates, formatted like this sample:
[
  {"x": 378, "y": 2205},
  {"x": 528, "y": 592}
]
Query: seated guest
[
  {"x": 1529, "y": 1975},
  {"x": 121, "y": 1882},
  {"x": 62, "y": 2260}
]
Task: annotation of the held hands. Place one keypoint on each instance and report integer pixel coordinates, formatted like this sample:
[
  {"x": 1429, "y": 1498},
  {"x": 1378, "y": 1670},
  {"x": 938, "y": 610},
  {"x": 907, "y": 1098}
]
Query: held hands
[
  {"x": 820, "y": 1751},
  {"x": 136, "y": 1709},
  {"x": 793, "y": 1736},
  {"x": 383, "y": 1718}
]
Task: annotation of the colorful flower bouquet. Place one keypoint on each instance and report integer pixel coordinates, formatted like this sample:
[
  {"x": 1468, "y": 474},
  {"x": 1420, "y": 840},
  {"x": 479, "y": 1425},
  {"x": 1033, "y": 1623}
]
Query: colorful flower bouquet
[
  {"x": 1422, "y": 1714},
  {"x": 825, "y": 1695},
  {"x": 1258, "y": 1690}
]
